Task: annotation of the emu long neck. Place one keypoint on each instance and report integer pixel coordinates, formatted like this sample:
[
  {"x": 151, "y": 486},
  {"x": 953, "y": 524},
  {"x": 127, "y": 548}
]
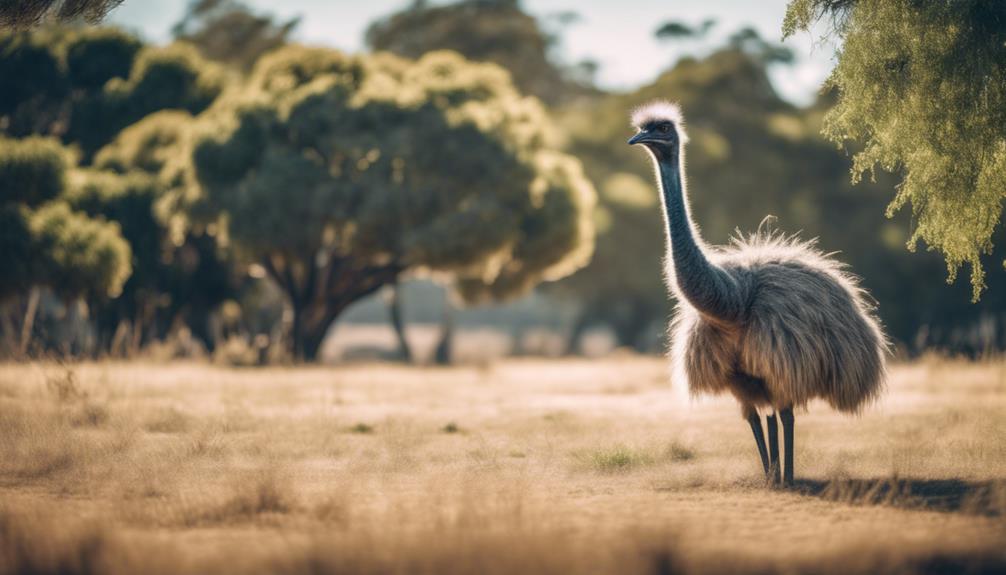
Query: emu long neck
[{"x": 706, "y": 286}]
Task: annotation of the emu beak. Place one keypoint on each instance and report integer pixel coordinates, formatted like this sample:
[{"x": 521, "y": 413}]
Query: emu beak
[{"x": 639, "y": 138}]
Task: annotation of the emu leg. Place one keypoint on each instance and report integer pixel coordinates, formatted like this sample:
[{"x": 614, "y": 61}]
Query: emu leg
[
  {"x": 786, "y": 415},
  {"x": 773, "y": 449},
  {"x": 759, "y": 435}
]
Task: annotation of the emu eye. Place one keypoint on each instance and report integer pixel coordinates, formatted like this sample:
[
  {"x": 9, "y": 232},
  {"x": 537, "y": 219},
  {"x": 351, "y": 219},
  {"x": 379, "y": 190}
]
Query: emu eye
[{"x": 663, "y": 128}]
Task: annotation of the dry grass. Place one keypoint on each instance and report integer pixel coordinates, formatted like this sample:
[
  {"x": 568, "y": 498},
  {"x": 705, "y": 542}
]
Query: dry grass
[{"x": 523, "y": 466}]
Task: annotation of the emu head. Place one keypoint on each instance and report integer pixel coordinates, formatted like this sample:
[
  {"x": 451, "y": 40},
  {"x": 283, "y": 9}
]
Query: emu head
[{"x": 660, "y": 129}]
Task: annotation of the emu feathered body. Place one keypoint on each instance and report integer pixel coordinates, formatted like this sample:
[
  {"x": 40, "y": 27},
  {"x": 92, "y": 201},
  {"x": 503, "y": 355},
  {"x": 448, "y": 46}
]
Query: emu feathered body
[
  {"x": 768, "y": 318},
  {"x": 807, "y": 330}
]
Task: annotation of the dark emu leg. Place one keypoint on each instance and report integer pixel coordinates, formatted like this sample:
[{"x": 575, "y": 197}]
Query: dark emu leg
[
  {"x": 773, "y": 449},
  {"x": 755, "y": 421},
  {"x": 786, "y": 415}
]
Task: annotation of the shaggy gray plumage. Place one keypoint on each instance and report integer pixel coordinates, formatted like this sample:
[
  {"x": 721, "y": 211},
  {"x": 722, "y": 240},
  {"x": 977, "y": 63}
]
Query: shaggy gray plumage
[{"x": 769, "y": 318}]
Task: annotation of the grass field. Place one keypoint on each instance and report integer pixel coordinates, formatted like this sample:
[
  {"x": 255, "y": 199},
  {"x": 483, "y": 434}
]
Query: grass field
[{"x": 523, "y": 466}]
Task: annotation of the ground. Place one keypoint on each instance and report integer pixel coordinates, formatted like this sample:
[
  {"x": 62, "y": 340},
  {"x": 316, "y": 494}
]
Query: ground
[{"x": 518, "y": 466}]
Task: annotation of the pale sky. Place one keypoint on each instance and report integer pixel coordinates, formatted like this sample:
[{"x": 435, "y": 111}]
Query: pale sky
[{"x": 618, "y": 34}]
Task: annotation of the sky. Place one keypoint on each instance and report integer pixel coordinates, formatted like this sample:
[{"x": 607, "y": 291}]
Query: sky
[{"x": 618, "y": 34}]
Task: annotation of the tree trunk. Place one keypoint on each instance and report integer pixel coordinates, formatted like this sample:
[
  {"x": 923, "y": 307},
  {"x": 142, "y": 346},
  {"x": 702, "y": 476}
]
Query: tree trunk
[
  {"x": 29, "y": 320},
  {"x": 319, "y": 294},
  {"x": 398, "y": 323},
  {"x": 576, "y": 334},
  {"x": 310, "y": 343},
  {"x": 8, "y": 329},
  {"x": 444, "y": 353}
]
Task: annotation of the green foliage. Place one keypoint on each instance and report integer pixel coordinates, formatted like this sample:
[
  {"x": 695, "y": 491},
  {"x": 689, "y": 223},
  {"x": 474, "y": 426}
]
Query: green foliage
[
  {"x": 161, "y": 145},
  {"x": 32, "y": 83},
  {"x": 45, "y": 242},
  {"x": 32, "y": 170},
  {"x": 96, "y": 55},
  {"x": 922, "y": 87},
  {"x": 67, "y": 226},
  {"x": 30, "y": 12},
  {"x": 174, "y": 77},
  {"x": 383, "y": 166},
  {"x": 81, "y": 256},
  {"x": 86, "y": 85}
]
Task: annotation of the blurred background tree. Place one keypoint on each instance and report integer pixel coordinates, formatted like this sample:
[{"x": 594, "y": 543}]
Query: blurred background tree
[
  {"x": 497, "y": 31},
  {"x": 922, "y": 88},
  {"x": 47, "y": 244},
  {"x": 385, "y": 166},
  {"x": 85, "y": 85},
  {"x": 228, "y": 32}
]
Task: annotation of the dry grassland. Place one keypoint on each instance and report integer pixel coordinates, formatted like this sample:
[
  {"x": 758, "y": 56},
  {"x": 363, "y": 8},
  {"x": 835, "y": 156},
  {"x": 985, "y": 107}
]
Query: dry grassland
[{"x": 523, "y": 466}]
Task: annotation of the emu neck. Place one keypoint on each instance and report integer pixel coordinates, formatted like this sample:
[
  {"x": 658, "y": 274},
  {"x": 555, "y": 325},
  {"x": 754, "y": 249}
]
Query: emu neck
[{"x": 706, "y": 286}]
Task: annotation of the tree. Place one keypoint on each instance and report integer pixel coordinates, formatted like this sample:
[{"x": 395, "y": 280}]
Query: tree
[
  {"x": 497, "y": 31},
  {"x": 338, "y": 174},
  {"x": 922, "y": 89},
  {"x": 44, "y": 241},
  {"x": 228, "y": 31},
  {"x": 22, "y": 13},
  {"x": 85, "y": 85}
]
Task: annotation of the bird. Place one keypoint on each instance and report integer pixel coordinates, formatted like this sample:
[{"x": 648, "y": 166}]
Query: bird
[{"x": 768, "y": 318}]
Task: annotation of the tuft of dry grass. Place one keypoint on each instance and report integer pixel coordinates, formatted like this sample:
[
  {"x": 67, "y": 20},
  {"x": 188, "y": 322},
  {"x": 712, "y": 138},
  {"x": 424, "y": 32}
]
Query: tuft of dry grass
[
  {"x": 167, "y": 420},
  {"x": 679, "y": 452},
  {"x": 617, "y": 458},
  {"x": 362, "y": 428},
  {"x": 251, "y": 499}
]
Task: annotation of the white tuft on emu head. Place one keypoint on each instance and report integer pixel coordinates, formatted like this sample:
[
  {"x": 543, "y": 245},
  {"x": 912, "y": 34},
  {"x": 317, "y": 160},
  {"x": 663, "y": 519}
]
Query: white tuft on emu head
[{"x": 658, "y": 118}]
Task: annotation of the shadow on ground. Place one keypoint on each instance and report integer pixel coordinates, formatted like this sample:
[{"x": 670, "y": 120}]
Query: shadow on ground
[{"x": 986, "y": 498}]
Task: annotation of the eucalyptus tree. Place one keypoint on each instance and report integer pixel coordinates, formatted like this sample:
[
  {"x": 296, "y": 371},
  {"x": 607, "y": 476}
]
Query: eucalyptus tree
[
  {"x": 86, "y": 85},
  {"x": 47, "y": 243},
  {"x": 338, "y": 174},
  {"x": 922, "y": 92}
]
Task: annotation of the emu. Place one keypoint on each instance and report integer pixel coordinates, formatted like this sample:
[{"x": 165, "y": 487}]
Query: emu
[{"x": 769, "y": 318}]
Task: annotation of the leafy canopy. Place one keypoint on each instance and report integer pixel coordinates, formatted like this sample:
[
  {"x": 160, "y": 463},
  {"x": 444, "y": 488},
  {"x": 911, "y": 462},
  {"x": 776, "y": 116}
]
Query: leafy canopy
[
  {"x": 86, "y": 85},
  {"x": 922, "y": 87},
  {"x": 43, "y": 240},
  {"x": 340, "y": 172},
  {"x": 438, "y": 163}
]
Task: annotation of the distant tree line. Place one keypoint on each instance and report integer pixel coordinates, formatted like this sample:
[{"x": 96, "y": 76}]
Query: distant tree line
[{"x": 158, "y": 186}]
